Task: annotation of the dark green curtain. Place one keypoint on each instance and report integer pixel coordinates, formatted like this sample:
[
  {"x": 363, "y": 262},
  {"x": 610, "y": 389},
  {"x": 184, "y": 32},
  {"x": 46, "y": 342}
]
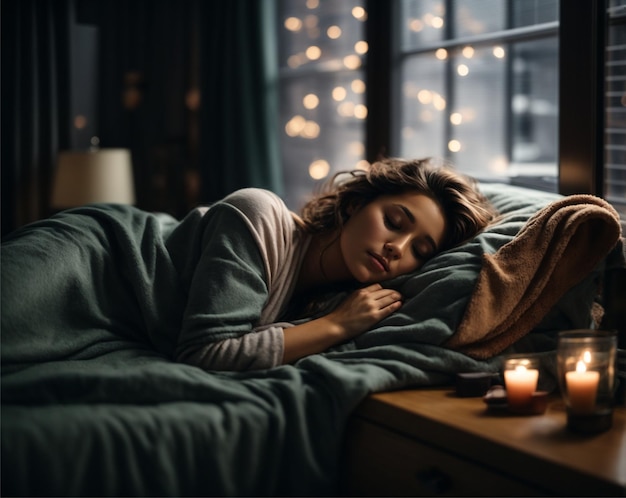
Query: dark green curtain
[
  {"x": 36, "y": 37},
  {"x": 239, "y": 87},
  {"x": 156, "y": 58},
  {"x": 168, "y": 52},
  {"x": 146, "y": 67}
]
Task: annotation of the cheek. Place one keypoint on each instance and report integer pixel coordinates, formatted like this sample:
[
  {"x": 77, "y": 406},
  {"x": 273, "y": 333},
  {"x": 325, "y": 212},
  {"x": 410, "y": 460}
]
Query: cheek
[
  {"x": 363, "y": 228},
  {"x": 360, "y": 234},
  {"x": 371, "y": 227},
  {"x": 409, "y": 265}
]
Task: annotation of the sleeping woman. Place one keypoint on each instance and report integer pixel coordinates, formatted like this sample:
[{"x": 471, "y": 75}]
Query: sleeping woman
[{"x": 232, "y": 286}]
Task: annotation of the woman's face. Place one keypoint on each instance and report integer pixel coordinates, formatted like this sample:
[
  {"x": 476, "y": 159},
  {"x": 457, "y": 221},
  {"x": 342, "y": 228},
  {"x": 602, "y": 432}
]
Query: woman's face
[{"x": 391, "y": 236}]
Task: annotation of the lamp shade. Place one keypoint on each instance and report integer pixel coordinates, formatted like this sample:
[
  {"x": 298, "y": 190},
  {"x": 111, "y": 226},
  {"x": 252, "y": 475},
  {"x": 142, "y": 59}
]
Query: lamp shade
[{"x": 93, "y": 176}]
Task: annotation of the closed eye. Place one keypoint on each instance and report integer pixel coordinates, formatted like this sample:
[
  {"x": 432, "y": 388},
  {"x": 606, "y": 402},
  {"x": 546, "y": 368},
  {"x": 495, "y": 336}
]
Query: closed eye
[
  {"x": 390, "y": 224},
  {"x": 425, "y": 250},
  {"x": 421, "y": 255},
  {"x": 425, "y": 246},
  {"x": 418, "y": 254}
]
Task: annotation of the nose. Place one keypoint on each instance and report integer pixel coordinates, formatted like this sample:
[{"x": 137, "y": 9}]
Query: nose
[{"x": 394, "y": 249}]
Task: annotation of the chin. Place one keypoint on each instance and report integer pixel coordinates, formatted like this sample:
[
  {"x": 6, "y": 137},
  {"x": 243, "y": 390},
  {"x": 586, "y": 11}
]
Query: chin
[
  {"x": 371, "y": 279},
  {"x": 364, "y": 279},
  {"x": 364, "y": 275}
]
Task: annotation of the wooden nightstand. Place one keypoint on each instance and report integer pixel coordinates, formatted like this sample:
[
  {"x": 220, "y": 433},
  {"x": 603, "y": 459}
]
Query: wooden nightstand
[{"x": 429, "y": 442}]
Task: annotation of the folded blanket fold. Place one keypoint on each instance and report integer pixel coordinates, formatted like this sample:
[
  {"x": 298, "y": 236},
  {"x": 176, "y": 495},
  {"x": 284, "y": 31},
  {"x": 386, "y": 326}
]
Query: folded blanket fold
[{"x": 555, "y": 250}]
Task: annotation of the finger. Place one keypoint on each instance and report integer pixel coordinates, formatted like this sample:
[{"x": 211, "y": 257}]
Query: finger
[
  {"x": 385, "y": 293},
  {"x": 372, "y": 287},
  {"x": 385, "y": 301},
  {"x": 391, "y": 307}
]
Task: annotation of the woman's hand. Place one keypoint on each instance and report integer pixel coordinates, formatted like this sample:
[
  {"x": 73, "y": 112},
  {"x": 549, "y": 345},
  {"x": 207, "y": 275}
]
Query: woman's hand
[
  {"x": 356, "y": 314},
  {"x": 365, "y": 307}
]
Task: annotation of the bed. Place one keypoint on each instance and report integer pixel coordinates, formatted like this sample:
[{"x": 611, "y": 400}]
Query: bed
[{"x": 121, "y": 418}]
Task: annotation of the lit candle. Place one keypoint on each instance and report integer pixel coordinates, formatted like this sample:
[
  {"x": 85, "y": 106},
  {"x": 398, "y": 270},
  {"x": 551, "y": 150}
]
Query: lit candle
[
  {"x": 582, "y": 387},
  {"x": 520, "y": 383}
]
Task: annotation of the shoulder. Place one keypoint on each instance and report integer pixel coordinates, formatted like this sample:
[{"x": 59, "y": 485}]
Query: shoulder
[
  {"x": 260, "y": 207},
  {"x": 270, "y": 222},
  {"x": 250, "y": 200}
]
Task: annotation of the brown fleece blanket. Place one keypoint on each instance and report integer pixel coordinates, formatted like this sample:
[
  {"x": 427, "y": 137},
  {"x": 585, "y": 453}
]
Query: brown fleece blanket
[{"x": 556, "y": 249}]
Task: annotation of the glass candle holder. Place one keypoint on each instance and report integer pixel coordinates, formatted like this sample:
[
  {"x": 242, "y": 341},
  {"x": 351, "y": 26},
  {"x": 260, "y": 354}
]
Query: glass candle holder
[
  {"x": 586, "y": 371},
  {"x": 521, "y": 375}
]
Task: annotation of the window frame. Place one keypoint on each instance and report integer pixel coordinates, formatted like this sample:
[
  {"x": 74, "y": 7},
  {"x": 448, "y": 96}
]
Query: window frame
[
  {"x": 581, "y": 128},
  {"x": 580, "y": 149}
]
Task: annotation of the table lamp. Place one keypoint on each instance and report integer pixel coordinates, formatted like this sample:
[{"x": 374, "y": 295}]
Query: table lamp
[{"x": 93, "y": 176}]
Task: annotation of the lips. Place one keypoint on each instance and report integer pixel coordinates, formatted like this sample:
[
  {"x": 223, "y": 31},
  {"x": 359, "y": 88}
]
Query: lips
[{"x": 379, "y": 261}]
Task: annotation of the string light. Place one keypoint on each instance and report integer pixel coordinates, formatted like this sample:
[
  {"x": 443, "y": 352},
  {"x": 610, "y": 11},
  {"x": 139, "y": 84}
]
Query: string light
[
  {"x": 319, "y": 169},
  {"x": 339, "y": 93},
  {"x": 456, "y": 118},
  {"x": 454, "y": 146},
  {"x": 293, "y": 24},
  {"x": 441, "y": 54},
  {"x": 468, "y": 52},
  {"x": 361, "y": 47},
  {"x": 313, "y": 52},
  {"x": 310, "y": 101},
  {"x": 499, "y": 52},
  {"x": 358, "y": 86},
  {"x": 333, "y": 32},
  {"x": 359, "y": 13}
]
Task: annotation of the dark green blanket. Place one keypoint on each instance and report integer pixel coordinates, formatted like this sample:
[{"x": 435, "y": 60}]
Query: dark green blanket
[{"x": 93, "y": 405}]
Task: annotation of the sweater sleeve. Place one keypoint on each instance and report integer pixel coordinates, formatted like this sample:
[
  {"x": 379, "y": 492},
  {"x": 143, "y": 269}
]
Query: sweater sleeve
[
  {"x": 227, "y": 293},
  {"x": 257, "y": 350}
]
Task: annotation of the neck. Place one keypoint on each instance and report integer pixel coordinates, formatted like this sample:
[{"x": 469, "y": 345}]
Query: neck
[{"x": 323, "y": 264}]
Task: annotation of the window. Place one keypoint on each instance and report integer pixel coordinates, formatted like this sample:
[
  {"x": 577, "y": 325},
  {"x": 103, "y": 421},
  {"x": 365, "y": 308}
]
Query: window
[{"x": 482, "y": 83}]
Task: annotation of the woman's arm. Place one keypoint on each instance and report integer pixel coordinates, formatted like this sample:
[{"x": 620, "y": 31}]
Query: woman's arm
[
  {"x": 224, "y": 274},
  {"x": 261, "y": 348},
  {"x": 358, "y": 312}
]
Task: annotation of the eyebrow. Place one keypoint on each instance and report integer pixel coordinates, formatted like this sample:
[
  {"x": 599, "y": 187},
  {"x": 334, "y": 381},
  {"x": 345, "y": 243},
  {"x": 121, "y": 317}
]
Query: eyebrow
[{"x": 411, "y": 218}]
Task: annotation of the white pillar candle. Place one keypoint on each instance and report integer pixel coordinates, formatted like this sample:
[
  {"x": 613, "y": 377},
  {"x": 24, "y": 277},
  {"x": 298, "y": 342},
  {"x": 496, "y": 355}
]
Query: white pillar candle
[
  {"x": 582, "y": 387},
  {"x": 520, "y": 383}
]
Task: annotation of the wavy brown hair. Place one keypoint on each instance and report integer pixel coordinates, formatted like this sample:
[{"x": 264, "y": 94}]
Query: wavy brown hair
[{"x": 467, "y": 212}]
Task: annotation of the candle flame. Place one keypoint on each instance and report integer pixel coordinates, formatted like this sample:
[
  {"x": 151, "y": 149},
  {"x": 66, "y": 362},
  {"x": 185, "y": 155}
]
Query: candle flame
[
  {"x": 581, "y": 367},
  {"x": 587, "y": 356},
  {"x": 520, "y": 368}
]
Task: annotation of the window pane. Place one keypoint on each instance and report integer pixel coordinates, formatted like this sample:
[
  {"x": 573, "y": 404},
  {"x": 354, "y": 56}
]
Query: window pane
[
  {"x": 475, "y": 17},
  {"x": 534, "y": 106},
  {"x": 423, "y": 107},
  {"x": 422, "y": 22},
  {"x": 496, "y": 117},
  {"x": 322, "y": 113},
  {"x": 530, "y": 12},
  {"x": 425, "y": 22},
  {"x": 323, "y": 129},
  {"x": 479, "y": 113},
  {"x": 319, "y": 34}
]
